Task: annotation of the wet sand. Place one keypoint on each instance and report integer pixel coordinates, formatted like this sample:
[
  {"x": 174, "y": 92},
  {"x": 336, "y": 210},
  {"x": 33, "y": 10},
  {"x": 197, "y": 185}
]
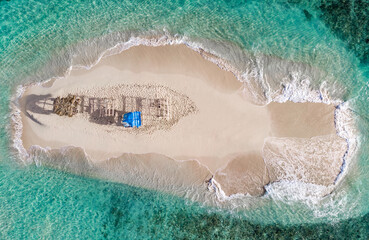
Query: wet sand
[{"x": 241, "y": 145}]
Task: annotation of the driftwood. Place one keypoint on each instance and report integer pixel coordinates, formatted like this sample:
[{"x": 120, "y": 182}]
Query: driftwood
[{"x": 66, "y": 106}]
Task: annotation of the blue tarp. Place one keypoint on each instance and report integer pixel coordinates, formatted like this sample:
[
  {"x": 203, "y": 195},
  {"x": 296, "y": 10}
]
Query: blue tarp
[{"x": 132, "y": 119}]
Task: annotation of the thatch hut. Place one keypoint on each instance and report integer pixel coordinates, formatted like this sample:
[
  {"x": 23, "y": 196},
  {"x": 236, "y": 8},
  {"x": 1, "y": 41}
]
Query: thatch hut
[{"x": 66, "y": 105}]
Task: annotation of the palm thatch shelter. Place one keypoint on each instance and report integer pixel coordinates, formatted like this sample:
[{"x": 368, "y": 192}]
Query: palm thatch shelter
[{"x": 66, "y": 106}]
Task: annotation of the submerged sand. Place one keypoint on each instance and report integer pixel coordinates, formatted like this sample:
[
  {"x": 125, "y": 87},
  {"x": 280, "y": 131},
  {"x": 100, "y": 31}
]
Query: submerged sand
[{"x": 209, "y": 131}]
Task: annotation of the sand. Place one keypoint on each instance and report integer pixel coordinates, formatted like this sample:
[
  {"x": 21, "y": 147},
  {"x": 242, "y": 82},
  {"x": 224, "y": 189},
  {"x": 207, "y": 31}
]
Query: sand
[{"x": 209, "y": 124}]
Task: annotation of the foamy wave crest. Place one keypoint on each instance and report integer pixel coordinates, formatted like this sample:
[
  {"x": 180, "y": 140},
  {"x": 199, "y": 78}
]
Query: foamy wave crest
[
  {"x": 18, "y": 125},
  {"x": 345, "y": 125},
  {"x": 297, "y": 191}
]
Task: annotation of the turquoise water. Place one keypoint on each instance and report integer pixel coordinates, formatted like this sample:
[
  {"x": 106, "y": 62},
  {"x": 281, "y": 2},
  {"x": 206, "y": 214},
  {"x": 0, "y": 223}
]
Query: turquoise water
[{"x": 41, "y": 39}]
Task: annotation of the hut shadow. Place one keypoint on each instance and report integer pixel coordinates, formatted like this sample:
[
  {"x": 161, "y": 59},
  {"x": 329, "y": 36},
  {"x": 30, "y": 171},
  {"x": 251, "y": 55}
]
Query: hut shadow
[
  {"x": 107, "y": 120},
  {"x": 96, "y": 118},
  {"x": 39, "y": 104},
  {"x": 95, "y": 108}
]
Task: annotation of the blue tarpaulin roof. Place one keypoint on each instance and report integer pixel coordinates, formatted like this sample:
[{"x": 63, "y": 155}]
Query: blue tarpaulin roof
[{"x": 132, "y": 119}]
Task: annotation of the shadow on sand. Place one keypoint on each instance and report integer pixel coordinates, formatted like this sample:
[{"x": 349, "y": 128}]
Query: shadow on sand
[{"x": 39, "y": 104}]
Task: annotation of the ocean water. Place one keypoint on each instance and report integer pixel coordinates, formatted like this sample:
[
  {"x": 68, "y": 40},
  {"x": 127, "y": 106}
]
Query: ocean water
[{"x": 304, "y": 47}]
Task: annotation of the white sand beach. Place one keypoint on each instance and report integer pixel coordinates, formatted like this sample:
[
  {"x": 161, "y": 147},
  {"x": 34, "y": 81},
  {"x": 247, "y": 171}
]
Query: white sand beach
[{"x": 206, "y": 121}]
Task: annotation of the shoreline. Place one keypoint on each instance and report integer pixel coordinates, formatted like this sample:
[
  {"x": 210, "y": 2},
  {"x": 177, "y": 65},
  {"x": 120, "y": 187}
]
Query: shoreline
[{"x": 337, "y": 177}]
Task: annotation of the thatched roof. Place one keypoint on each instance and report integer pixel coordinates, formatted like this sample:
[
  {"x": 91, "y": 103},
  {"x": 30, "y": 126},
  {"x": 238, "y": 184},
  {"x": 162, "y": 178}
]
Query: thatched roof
[{"x": 66, "y": 105}]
